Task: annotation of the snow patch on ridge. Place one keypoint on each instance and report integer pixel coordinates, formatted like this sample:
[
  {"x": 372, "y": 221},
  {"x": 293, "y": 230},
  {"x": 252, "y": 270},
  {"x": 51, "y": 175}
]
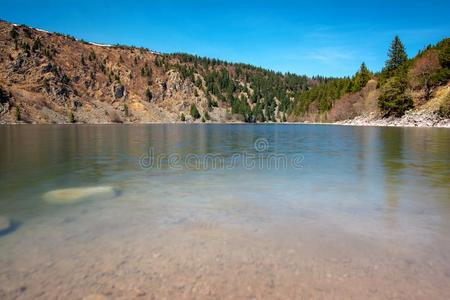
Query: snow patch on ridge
[
  {"x": 41, "y": 30},
  {"x": 100, "y": 45}
]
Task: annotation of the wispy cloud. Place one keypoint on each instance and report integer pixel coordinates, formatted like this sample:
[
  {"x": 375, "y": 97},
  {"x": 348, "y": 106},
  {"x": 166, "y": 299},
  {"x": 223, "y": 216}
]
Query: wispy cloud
[{"x": 329, "y": 54}]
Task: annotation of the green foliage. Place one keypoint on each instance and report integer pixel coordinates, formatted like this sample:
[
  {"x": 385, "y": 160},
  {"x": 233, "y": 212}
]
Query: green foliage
[
  {"x": 361, "y": 78},
  {"x": 194, "y": 112},
  {"x": 397, "y": 55},
  {"x": 186, "y": 72},
  {"x": 14, "y": 34},
  {"x": 442, "y": 76},
  {"x": 397, "y": 63},
  {"x": 71, "y": 117},
  {"x": 394, "y": 99},
  {"x": 444, "y": 108},
  {"x": 182, "y": 118},
  {"x": 17, "y": 114},
  {"x": 228, "y": 82},
  {"x": 322, "y": 95},
  {"x": 325, "y": 92},
  {"x": 203, "y": 120},
  {"x": 125, "y": 109},
  {"x": 443, "y": 49}
]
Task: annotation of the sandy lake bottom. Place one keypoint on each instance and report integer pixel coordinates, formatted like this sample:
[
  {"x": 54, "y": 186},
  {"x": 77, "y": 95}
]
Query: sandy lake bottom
[{"x": 365, "y": 216}]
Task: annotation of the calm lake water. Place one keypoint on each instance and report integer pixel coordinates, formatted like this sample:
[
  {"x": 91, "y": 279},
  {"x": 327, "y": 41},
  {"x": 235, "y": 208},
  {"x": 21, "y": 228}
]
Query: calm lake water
[{"x": 340, "y": 213}]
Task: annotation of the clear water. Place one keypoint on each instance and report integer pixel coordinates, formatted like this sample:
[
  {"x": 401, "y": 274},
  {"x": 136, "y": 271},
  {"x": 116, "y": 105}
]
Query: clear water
[{"x": 364, "y": 213}]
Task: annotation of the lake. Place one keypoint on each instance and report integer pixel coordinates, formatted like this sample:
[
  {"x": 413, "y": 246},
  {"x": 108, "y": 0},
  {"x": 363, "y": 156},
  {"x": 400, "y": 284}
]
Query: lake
[{"x": 224, "y": 211}]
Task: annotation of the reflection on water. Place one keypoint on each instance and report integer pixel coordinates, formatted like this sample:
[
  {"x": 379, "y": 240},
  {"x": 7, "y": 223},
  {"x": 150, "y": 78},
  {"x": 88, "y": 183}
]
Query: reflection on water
[{"x": 366, "y": 216}]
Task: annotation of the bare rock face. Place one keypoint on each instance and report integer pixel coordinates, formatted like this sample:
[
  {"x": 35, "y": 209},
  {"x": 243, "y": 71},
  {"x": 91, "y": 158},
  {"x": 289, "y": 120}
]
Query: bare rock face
[
  {"x": 4, "y": 108},
  {"x": 119, "y": 91},
  {"x": 67, "y": 75},
  {"x": 18, "y": 64},
  {"x": 175, "y": 85},
  {"x": 174, "y": 81}
]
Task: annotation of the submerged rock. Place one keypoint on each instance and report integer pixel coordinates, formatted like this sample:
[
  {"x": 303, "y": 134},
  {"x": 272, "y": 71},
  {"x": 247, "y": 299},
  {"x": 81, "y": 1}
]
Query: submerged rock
[
  {"x": 75, "y": 195},
  {"x": 5, "y": 224}
]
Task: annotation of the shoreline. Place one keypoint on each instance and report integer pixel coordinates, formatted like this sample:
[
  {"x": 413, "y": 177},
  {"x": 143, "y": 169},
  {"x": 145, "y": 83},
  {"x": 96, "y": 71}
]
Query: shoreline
[
  {"x": 373, "y": 123},
  {"x": 420, "y": 118},
  {"x": 417, "y": 119}
]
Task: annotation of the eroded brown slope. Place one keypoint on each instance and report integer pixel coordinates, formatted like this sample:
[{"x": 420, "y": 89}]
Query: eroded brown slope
[{"x": 50, "y": 78}]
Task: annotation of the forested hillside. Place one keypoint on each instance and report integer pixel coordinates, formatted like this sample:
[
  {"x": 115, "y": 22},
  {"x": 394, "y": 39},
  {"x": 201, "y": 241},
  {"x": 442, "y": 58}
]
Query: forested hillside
[
  {"x": 53, "y": 78},
  {"x": 402, "y": 85}
]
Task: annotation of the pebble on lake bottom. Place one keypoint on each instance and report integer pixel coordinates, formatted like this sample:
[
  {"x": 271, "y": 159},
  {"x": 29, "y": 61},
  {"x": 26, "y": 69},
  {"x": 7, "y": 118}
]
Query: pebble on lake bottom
[
  {"x": 5, "y": 224},
  {"x": 75, "y": 195}
]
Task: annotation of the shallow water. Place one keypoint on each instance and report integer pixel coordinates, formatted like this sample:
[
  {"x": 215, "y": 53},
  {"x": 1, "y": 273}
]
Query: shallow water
[{"x": 350, "y": 212}]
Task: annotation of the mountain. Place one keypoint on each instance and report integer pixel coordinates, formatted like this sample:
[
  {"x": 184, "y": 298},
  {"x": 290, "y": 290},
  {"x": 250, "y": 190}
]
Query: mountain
[{"x": 54, "y": 78}]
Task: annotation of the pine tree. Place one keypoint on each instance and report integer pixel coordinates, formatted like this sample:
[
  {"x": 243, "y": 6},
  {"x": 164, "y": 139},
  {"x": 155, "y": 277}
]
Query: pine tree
[
  {"x": 361, "y": 78},
  {"x": 13, "y": 33},
  {"x": 396, "y": 54},
  {"x": 394, "y": 99},
  {"x": 194, "y": 112}
]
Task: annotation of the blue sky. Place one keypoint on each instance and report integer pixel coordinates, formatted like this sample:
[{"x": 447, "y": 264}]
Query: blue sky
[{"x": 328, "y": 38}]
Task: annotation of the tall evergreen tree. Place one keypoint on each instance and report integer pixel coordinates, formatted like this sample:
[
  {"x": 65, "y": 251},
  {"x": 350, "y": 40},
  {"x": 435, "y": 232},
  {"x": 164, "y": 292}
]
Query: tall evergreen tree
[
  {"x": 396, "y": 54},
  {"x": 361, "y": 78},
  {"x": 394, "y": 99},
  {"x": 194, "y": 112}
]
